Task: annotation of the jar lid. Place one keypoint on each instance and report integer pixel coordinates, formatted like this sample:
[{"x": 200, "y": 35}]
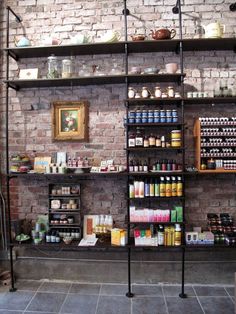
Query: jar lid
[{"x": 175, "y": 131}]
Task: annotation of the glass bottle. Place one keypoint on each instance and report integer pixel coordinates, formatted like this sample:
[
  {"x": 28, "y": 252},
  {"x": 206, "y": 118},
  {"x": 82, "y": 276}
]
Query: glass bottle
[
  {"x": 131, "y": 140},
  {"x": 162, "y": 187},
  {"x": 139, "y": 139},
  {"x": 168, "y": 187},
  {"x": 152, "y": 140},
  {"x": 53, "y": 67},
  {"x": 160, "y": 235},
  {"x": 157, "y": 92},
  {"x": 177, "y": 240},
  {"x": 179, "y": 186},
  {"x": 173, "y": 186}
]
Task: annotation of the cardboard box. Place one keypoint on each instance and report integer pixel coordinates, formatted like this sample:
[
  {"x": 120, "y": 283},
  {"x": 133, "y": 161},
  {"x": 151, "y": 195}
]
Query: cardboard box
[
  {"x": 118, "y": 237},
  {"x": 179, "y": 213},
  {"x": 173, "y": 215}
]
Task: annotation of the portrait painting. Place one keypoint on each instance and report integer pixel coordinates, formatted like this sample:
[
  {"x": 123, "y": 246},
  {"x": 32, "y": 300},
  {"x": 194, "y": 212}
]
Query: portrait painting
[{"x": 70, "y": 121}]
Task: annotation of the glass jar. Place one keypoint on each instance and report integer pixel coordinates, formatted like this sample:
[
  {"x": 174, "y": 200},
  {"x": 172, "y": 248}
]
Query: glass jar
[
  {"x": 53, "y": 67},
  {"x": 145, "y": 92},
  {"x": 67, "y": 68}
]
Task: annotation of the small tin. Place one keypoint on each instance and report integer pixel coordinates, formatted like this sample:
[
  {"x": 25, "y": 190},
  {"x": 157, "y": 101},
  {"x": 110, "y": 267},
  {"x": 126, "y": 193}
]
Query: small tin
[
  {"x": 144, "y": 120},
  {"x": 168, "y": 119},
  {"x": 138, "y": 114},
  {"x": 138, "y": 120},
  {"x": 174, "y": 113},
  {"x": 144, "y": 114},
  {"x": 150, "y": 120},
  {"x": 156, "y": 119},
  {"x": 131, "y": 120},
  {"x": 163, "y": 119},
  {"x": 162, "y": 113}
]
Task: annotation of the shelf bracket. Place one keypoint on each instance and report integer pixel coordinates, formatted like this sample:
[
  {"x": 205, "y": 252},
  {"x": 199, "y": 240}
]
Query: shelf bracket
[
  {"x": 126, "y": 12},
  {"x": 177, "y": 49},
  {"x": 13, "y": 55}
]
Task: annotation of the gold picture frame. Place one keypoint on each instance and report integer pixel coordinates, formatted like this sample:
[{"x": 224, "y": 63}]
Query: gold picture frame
[{"x": 70, "y": 121}]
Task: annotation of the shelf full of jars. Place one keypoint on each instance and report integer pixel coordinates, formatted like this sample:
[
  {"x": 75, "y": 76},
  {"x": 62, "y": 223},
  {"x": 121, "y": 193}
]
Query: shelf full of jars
[
  {"x": 64, "y": 212},
  {"x": 215, "y": 140}
]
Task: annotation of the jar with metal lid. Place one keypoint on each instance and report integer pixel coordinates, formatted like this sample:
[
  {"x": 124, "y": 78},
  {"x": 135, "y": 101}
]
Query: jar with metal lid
[
  {"x": 170, "y": 92},
  {"x": 67, "y": 68},
  {"x": 157, "y": 92},
  {"x": 53, "y": 67}
]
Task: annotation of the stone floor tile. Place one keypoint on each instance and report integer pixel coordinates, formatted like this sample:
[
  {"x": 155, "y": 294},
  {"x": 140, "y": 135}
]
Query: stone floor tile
[
  {"x": 15, "y": 300},
  {"x": 230, "y": 291},
  {"x": 83, "y": 288},
  {"x": 55, "y": 287},
  {"x": 114, "y": 305},
  {"x": 148, "y": 305},
  {"x": 177, "y": 305},
  {"x": 46, "y": 302},
  {"x": 10, "y": 312},
  {"x": 175, "y": 290},
  {"x": 28, "y": 285},
  {"x": 141, "y": 290},
  {"x": 217, "y": 305},
  {"x": 208, "y": 291},
  {"x": 76, "y": 303},
  {"x": 116, "y": 289}
]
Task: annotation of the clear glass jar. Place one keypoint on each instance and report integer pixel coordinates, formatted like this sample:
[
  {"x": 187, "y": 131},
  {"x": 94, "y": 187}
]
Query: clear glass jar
[
  {"x": 158, "y": 92},
  {"x": 53, "y": 67},
  {"x": 170, "y": 92},
  {"x": 67, "y": 68}
]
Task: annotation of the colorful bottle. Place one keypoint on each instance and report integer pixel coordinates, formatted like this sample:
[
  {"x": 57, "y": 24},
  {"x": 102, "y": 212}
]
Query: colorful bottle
[
  {"x": 146, "y": 188},
  {"x": 168, "y": 187},
  {"x": 152, "y": 192},
  {"x": 179, "y": 186},
  {"x": 177, "y": 235},
  {"x": 162, "y": 187},
  {"x": 157, "y": 188},
  {"x": 173, "y": 187}
]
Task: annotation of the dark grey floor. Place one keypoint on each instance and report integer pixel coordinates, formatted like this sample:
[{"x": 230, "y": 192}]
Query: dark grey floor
[{"x": 57, "y": 297}]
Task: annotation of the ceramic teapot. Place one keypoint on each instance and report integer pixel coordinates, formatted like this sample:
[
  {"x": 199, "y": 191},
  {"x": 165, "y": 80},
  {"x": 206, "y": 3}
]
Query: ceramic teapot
[
  {"x": 214, "y": 30},
  {"x": 22, "y": 42},
  {"x": 163, "y": 33}
]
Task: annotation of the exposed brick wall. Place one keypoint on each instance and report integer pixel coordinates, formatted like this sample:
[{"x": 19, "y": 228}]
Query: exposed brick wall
[{"x": 30, "y": 130}]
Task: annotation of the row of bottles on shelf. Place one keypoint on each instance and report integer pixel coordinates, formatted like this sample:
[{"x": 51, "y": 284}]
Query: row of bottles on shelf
[
  {"x": 156, "y": 215},
  {"x": 55, "y": 236},
  {"x": 218, "y": 141},
  {"x": 139, "y": 139},
  {"x": 153, "y": 116},
  {"x": 165, "y": 187},
  {"x": 217, "y": 120},
  {"x": 159, "y": 165},
  {"x": 158, "y": 235},
  {"x": 218, "y": 131},
  {"x": 218, "y": 163},
  {"x": 218, "y": 152}
]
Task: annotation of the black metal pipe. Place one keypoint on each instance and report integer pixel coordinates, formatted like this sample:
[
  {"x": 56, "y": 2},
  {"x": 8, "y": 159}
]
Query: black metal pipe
[
  {"x": 18, "y": 18},
  {"x": 183, "y": 295},
  {"x": 129, "y": 294}
]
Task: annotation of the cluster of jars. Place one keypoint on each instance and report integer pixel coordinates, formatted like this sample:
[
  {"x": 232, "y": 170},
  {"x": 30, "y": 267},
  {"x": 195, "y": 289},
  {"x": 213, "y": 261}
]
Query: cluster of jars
[
  {"x": 153, "y": 116},
  {"x": 215, "y": 120},
  {"x": 138, "y": 139},
  {"x": 159, "y": 165},
  {"x": 169, "y": 92},
  {"x": 67, "y": 68}
]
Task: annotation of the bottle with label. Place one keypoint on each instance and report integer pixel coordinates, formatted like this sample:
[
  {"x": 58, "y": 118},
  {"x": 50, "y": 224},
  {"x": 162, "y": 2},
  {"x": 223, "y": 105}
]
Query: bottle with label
[
  {"x": 139, "y": 139},
  {"x": 179, "y": 186},
  {"x": 141, "y": 189},
  {"x": 135, "y": 166},
  {"x": 177, "y": 235},
  {"x": 158, "y": 141},
  {"x": 136, "y": 189},
  {"x": 152, "y": 140},
  {"x": 145, "y": 166},
  {"x": 173, "y": 186},
  {"x": 131, "y": 140},
  {"x": 160, "y": 235},
  {"x": 140, "y": 167},
  {"x": 162, "y": 187},
  {"x": 131, "y": 166},
  {"x": 152, "y": 192},
  {"x": 131, "y": 190},
  {"x": 168, "y": 187},
  {"x": 146, "y": 141},
  {"x": 146, "y": 188},
  {"x": 157, "y": 188}
]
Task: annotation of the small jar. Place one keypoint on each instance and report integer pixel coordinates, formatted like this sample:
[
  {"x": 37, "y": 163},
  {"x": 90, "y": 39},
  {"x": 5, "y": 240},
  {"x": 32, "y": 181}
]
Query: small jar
[
  {"x": 146, "y": 141},
  {"x": 157, "y": 92},
  {"x": 53, "y": 67},
  {"x": 131, "y": 92},
  {"x": 145, "y": 92},
  {"x": 67, "y": 68},
  {"x": 170, "y": 92},
  {"x": 152, "y": 140},
  {"x": 158, "y": 141}
]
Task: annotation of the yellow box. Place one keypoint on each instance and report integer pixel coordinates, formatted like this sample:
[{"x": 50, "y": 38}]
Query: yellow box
[{"x": 118, "y": 237}]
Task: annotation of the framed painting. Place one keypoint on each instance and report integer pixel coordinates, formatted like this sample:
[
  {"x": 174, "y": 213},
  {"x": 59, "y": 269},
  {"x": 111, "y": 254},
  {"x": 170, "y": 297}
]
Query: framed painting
[{"x": 70, "y": 121}]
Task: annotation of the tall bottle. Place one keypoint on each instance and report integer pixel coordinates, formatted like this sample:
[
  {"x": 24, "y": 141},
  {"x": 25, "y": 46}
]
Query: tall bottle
[
  {"x": 136, "y": 189},
  {"x": 177, "y": 235},
  {"x": 152, "y": 192},
  {"x": 141, "y": 189},
  {"x": 146, "y": 188},
  {"x": 162, "y": 187},
  {"x": 179, "y": 186},
  {"x": 157, "y": 188},
  {"x": 168, "y": 187},
  {"x": 131, "y": 190},
  {"x": 160, "y": 235},
  {"x": 173, "y": 186}
]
